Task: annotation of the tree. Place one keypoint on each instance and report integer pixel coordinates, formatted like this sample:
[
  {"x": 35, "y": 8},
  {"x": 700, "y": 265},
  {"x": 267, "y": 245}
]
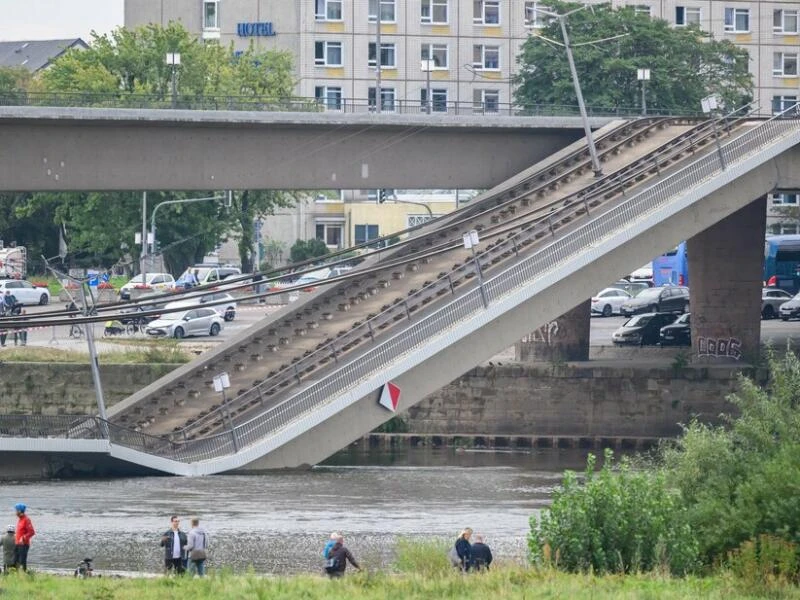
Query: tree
[
  {"x": 685, "y": 63},
  {"x": 248, "y": 206},
  {"x": 304, "y": 250}
]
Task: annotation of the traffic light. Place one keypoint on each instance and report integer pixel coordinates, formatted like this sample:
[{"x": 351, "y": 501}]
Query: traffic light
[{"x": 381, "y": 196}]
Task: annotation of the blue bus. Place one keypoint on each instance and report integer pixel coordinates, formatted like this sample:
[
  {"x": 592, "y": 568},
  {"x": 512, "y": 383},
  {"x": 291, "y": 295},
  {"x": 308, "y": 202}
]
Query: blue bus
[
  {"x": 782, "y": 262},
  {"x": 672, "y": 267}
]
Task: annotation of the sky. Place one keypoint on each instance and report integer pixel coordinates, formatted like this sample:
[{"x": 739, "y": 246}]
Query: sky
[{"x": 57, "y": 19}]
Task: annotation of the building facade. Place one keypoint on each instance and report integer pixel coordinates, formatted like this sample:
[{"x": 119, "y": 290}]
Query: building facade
[{"x": 453, "y": 55}]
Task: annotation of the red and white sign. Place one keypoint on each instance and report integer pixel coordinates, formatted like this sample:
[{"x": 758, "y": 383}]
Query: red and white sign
[{"x": 390, "y": 397}]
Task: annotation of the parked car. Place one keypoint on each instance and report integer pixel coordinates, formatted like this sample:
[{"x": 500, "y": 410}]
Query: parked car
[
  {"x": 632, "y": 287},
  {"x": 678, "y": 333},
  {"x": 790, "y": 309},
  {"x": 159, "y": 282},
  {"x": 642, "y": 330},
  {"x": 671, "y": 298},
  {"x": 208, "y": 274},
  {"x": 608, "y": 302},
  {"x": 25, "y": 291},
  {"x": 195, "y": 321},
  {"x": 227, "y": 311},
  {"x": 642, "y": 274},
  {"x": 771, "y": 300}
]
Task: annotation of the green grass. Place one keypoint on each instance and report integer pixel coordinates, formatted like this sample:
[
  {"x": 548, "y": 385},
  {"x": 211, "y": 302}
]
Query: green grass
[
  {"x": 501, "y": 584},
  {"x": 143, "y": 355}
]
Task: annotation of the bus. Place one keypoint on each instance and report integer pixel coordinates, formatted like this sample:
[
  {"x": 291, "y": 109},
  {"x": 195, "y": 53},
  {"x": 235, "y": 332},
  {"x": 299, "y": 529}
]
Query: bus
[
  {"x": 672, "y": 267},
  {"x": 782, "y": 262}
]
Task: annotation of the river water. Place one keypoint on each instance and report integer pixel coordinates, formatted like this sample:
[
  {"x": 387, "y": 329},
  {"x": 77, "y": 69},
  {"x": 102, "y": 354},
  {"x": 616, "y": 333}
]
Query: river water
[{"x": 278, "y": 523}]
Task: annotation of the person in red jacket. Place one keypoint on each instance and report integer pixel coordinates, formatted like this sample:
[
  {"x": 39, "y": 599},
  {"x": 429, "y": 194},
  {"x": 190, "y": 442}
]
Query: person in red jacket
[{"x": 22, "y": 537}]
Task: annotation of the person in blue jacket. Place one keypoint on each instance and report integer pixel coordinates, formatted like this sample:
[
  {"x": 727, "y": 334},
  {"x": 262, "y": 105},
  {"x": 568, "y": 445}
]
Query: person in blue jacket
[{"x": 464, "y": 549}]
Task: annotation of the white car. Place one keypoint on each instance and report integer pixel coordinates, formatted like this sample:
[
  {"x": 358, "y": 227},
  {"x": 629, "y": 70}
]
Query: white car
[
  {"x": 158, "y": 282},
  {"x": 226, "y": 310},
  {"x": 643, "y": 273},
  {"x": 25, "y": 292},
  {"x": 609, "y": 301},
  {"x": 178, "y": 325}
]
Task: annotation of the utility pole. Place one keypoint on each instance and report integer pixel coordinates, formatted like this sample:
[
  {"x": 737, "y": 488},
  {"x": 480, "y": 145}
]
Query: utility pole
[
  {"x": 143, "y": 259},
  {"x": 378, "y": 59},
  {"x": 562, "y": 21},
  {"x": 643, "y": 75}
]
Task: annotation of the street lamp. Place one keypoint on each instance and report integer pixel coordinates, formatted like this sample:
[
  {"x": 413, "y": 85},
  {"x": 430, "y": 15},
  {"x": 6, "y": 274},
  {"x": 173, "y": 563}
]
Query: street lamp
[
  {"x": 152, "y": 236},
  {"x": 709, "y": 104},
  {"x": 427, "y": 65},
  {"x": 471, "y": 240},
  {"x": 221, "y": 383},
  {"x": 643, "y": 75},
  {"x": 174, "y": 60}
]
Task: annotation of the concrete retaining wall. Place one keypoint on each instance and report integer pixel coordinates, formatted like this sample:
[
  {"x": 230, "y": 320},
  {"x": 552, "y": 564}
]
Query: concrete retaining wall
[{"x": 581, "y": 399}]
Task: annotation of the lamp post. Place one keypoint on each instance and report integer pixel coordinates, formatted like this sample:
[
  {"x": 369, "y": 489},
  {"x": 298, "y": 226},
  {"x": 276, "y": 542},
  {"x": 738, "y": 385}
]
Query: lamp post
[
  {"x": 471, "y": 240},
  {"x": 221, "y": 383},
  {"x": 643, "y": 75},
  {"x": 709, "y": 104},
  {"x": 174, "y": 60},
  {"x": 152, "y": 236},
  {"x": 427, "y": 66}
]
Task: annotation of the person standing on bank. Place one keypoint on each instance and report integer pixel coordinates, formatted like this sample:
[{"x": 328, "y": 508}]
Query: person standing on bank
[
  {"x": 22, "y": 537},
  {"x": 197, "y": 548},
  {"x": 173, "y": 541},
  {"x": 464, "y": 549},
  {"x": 9, "y": 546},
  {"x": 481, "y": 554},
  {"x": 338, "y": 556}
]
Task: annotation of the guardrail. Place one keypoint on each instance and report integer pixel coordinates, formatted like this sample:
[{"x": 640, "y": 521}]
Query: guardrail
[
  {"x": 466, "y": 305},
  {"x": 315, "y": 105}
]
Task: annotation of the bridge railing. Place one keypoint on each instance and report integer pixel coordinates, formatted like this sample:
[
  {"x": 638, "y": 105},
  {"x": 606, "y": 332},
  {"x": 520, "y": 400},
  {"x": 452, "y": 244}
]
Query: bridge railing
[{"x": 315, "y": 105}]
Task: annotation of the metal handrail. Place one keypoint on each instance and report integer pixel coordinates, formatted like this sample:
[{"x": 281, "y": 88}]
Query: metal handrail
[{"x": 306, "y": 104}]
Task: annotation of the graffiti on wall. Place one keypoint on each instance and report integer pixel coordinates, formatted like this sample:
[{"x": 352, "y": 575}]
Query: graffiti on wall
[
  {"x": 720, "y": 347},
  {"x": 546, "y": 334}
]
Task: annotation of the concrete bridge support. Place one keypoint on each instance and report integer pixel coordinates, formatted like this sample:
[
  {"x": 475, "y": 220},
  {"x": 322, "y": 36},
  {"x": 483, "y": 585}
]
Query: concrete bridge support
[
  {"x": 564, "y": 338},
  {"x": 725, "y": 276}
]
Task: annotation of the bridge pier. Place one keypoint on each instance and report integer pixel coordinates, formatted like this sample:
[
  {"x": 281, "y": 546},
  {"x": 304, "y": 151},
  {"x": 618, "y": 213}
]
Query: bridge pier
[
  {"x": 564, "y": 338},
  {"x": 725, "y": 277}
]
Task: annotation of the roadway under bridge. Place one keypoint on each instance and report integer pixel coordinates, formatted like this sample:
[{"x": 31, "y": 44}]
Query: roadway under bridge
[
  {"x": 85, "y": 149},
  {"x": 313, "y": 377}
]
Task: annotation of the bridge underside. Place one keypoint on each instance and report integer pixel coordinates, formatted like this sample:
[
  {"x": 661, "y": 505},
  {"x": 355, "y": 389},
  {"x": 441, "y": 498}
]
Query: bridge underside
[{"x": 96, "y": 149}]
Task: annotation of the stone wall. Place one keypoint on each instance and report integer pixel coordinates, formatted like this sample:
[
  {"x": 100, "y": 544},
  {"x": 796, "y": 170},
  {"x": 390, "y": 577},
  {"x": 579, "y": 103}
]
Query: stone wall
[
  {"x": 580, "y": 399},
  {"x": 576, "y": 400}
]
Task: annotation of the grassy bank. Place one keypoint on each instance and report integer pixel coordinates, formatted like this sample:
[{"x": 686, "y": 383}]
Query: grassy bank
[
  {"x": 136, "y": 355},
  {"x": 505, "y": 583}
]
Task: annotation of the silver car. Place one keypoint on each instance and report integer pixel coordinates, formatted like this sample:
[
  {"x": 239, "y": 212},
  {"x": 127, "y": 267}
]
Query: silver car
[
  {"x": 196, "y": 321},
  {"x": 771, "y": 300}
]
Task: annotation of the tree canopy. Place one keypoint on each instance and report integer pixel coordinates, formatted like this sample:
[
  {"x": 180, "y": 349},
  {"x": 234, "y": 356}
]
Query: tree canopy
[
  {"x": 100, "y": 227},
  {"x": 685, "y": 63}
]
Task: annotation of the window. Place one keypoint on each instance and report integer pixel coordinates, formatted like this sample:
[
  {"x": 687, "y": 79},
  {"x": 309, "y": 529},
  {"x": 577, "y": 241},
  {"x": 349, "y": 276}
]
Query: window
[
  {"x": 328, "y": 54},
  {"x": 533, "y": 16},
  {"x": 687, "y": 15},
  {"x": 387, "y": 55},
  {"x": 434, "y": 12},
  {"x": 486, "y": 12},
  {"x": 414, "y": 220},
  {"x": 329, "y": 97},
  {"x": 438, "y": 100},
  {"x": 329, "y": 10},
  {"x": 783, "y": 103},
  {"x": 642, "y": 9},
  {"x": 784, "y": 21},
  {"x": 210, "y": 14},
  {"x": 365, "y": 233},
  {"x": 330, "y": 233},
  {"x": 437, "y": 53},
  {"x": 784, "y": 228},
  {"x": 784, "y": 64},
  {"x": 387, "y": 99},
  {"x": 737, "y": 20},
  {"x": 485, "y": 101},
  {"x": 485, "y": 57},
  {"x": 785, "y": 199},
  {"x": 387, "y": 11}
]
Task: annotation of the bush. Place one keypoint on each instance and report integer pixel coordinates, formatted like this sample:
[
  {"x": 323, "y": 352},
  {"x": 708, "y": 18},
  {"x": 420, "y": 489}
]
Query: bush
[
  {"x": 765, "y": 562},
  {"x": 617, "y": 520},
  {"x": 304, "y": 250},
  {"x": 741, "y": 481}
]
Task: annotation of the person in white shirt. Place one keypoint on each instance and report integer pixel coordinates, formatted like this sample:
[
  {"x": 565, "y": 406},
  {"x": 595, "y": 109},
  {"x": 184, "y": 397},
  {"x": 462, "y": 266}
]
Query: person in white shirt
[{"x": 174, "y": 541}]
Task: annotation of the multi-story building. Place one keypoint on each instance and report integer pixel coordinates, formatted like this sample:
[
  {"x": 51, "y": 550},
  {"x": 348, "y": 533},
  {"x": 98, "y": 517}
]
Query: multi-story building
[{"x": 453, "y": 54}]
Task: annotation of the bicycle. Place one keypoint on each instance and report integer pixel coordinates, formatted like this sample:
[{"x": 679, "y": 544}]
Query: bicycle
[
  {"x": 84, "y": 569},
  {"x": 75, "y": 331}
]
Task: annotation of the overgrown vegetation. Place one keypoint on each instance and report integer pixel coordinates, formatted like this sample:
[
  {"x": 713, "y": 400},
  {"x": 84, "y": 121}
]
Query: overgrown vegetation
[
  {"x": 721, "y": 496},
  {"x": 144, "y": 355}
]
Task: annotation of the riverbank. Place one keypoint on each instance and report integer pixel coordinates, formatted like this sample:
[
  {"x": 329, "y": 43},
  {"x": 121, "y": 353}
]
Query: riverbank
[{"x": 507, "y": 583}]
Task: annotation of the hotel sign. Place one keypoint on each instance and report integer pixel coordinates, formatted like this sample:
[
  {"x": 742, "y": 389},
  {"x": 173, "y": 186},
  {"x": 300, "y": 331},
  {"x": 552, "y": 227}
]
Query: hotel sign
[{"x": 263, "y": 29}]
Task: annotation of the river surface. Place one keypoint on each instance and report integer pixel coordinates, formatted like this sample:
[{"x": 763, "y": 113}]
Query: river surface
[{"x": 278, "y": 523}]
